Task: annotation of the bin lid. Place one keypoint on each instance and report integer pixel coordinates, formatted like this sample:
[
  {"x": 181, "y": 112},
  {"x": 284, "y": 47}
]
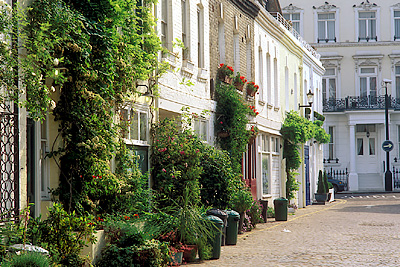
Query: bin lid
[
  {"x": 280, "y": 199},
  {"x": 232, "y": 213},
  {"x": 214, "y": 219},
  {"x": 217, "y": 212}
]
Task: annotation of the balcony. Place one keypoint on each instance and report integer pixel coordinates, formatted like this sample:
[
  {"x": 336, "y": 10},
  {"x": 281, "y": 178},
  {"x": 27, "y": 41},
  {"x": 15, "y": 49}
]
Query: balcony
[{"x": 352, "y": 103}]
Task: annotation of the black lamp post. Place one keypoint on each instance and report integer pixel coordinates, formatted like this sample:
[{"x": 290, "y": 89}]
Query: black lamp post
[{"x": 388, "y": 173}]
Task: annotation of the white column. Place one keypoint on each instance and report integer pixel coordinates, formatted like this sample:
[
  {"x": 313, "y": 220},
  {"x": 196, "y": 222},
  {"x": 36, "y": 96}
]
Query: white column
[{"x": 353, "y": 176}]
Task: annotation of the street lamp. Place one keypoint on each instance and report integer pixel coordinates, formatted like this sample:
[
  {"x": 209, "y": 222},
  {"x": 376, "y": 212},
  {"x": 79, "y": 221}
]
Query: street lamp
[
  {"x": 388, "y": 173},
  {"x": 310, "y": 100}
]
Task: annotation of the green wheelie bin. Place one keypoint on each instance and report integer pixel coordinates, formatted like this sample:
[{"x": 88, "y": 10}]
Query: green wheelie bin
[
  {"x": 217, "y": 235},
  {"x": 281, "y": 209},
  {"x": 232, "y": 228}
]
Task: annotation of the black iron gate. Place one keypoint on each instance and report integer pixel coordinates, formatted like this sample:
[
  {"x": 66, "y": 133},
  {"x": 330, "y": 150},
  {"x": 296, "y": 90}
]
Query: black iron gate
[{"x": 9, "y": 160}]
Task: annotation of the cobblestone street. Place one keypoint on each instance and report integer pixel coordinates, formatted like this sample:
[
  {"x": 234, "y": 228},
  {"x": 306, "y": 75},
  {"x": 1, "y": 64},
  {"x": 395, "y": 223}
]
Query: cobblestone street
[{"x": 355, "y": 230}]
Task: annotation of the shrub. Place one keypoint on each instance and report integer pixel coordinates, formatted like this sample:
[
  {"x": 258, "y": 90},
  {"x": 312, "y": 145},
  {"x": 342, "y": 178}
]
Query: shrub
[
  {"x": 31, "y": 259},
  {"x": 321, "y": 185},
  {"x": 255, "y": 213}
]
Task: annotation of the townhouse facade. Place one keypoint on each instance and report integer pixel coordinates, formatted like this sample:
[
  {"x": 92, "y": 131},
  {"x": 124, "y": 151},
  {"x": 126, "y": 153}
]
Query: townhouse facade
[{"x": 358, "y": 43}]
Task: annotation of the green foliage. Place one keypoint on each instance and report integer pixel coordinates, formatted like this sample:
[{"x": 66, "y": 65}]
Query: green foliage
[
  {"x": 32, "y": 259},
  {"x": 82, "y": 61},
  {"x": 321, "y": 189},
  {"x": 255, "y": 213},
  {"x": 175, "y": 163},
  {"x": 63, "y": 234},
  {"x": 232, "y": 118},
  {"x": 217, "y": 178},
  {"x": 326, "y": 182},
  {"x": 241, "y": 200},
  {"x": 292, "y": 186},
  {"x": 295, "y": 131},
  {"x": 150, "y": 253},
  {"x": 270, "y": 212}
]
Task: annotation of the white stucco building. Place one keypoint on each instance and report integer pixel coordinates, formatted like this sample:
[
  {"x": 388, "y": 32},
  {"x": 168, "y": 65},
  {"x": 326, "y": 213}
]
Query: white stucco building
[
  {"x": 286, "y": 69},
  {"x": 359, "y": 46}
]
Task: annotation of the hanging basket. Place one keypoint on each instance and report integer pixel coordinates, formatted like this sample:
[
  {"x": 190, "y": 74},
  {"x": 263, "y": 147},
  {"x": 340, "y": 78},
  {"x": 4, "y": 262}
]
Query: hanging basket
[{"x": 223, "y": 134}]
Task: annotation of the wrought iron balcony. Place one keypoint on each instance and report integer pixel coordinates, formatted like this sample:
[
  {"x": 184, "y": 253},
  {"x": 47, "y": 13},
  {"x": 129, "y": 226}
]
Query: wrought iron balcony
[{"x": 359, "y": 103}]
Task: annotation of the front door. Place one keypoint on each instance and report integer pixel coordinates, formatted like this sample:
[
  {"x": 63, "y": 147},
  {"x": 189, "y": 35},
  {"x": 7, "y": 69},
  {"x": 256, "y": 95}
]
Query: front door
[
  {"x": 366, "y": 149},
  {"x": 307, "y": 173}
]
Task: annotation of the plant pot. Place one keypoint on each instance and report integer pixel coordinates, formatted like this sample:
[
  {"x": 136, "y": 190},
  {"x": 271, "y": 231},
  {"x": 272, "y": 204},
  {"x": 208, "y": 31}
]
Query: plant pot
[
  {"x": 223, "y": 134},
  {"x": 176, "y": 258},
  {"x": 190, "y": 253},
  {"x": 251, "y": 92},
  {"x": 239, "y": 86},
  {"x": 321, "y": 197},
  {"x": 291, "y": 210},
  {"x": 227, "y": 80}
]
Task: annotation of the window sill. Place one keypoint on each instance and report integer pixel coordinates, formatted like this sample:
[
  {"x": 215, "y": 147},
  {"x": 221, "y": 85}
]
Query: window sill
[
  {"x": 202, "y": 75},
  {"x": 261, "y": 103},
  {"x": 136, "y": 142}
]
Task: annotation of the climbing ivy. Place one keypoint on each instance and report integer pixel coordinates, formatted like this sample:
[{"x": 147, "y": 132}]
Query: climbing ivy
[
  {"x": 82, "y": 61},
  {"x": 296, "y": 130}
]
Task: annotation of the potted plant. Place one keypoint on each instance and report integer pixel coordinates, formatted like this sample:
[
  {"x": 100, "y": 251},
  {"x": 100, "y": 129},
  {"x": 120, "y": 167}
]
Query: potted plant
[
  {"x": 252, "y": 89},
  {"x": 239, "y": 82},
  {"x": 292, "y": 207},
  {"x": 253, "y": 133},
  {"x": 321, "y": 195},
  {"x": 225, "y": 73}
]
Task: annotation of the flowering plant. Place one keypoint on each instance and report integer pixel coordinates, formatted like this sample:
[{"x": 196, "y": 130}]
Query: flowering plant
[
  {"x": 252, "y": 88},
  {"x": 254, "y": 130},
  {"x": 224, "y": 71},
  {"x": 253, "y": 111},
  {"x": 239, "y": 80}
]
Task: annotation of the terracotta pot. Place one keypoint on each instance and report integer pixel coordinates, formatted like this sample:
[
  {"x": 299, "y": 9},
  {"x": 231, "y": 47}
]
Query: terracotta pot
[
  {"x": 251, "y": 92},
  {"x": 190, "y": 253},
  {"x": 239, "y": 86}
]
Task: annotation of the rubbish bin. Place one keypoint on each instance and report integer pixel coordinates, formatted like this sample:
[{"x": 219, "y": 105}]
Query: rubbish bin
[
  {"x": 232, "y": 229},
  {"x": 216, "y": 236},
  {"x": 224, "y": 217},
  {"x": 264, "y": 204},
  {"x": 281, "y": 209}
]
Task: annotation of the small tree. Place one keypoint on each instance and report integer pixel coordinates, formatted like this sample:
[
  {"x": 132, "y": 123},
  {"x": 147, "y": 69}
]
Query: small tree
[
  {"x": 326, "y": 182},
  {"x": 321, "y": 185}
]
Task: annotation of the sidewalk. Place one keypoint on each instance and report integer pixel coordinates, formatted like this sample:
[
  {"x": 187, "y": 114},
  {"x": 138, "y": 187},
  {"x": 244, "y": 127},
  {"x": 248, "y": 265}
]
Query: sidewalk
[{"x": 256, "y": 239}]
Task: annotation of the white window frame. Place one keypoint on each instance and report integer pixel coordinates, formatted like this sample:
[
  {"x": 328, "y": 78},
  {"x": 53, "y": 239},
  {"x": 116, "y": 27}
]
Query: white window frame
[
  {"x": 326, "y": 84},
  {"x": 266, "y": 151},
  {"x": 236, "y": 53},
  {"x": 368, "y": 76},
  {"x": 261, "y": 73},
  {"x": 393, "y": 20},
  {"x": 165, "y": 23},
  {"x": 325, "y": 10},
  {"x": 127, "y": 139},
  {"x": 331, "y": 144},
  {"x": 185, "y": 13},
  {"x": 397, "y": 81},
  {"x": 377, "y": 25},
  {"x": 200, "y": 37},
  {"x": 43, "y": 170},
  {"x": 326, "y": 21},
  {"x": 276, "y": 83},
  {"x": 289, "y": 17},
  {"x": 204, "y": 137}
]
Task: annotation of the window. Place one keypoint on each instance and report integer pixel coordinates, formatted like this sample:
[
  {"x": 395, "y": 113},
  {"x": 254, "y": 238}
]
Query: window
[
  {"x": 287, "y": 89},
  {"x": 141, "y": 153},
  {"x": 236, "y": 53},
  {"x": 367, "y": 26},
  {"x": 201, "y": 129},
  {"x": 261, "y": 73},
  {"x": 360, "y": 147},
  {"x": 276, "y": 89},
  {"x": 295, "y": 19},
  {"x": 265, "y": 143},
  {"x": 185, "y": 30},
  {"x": 265, "y": 174},
  {"x": 164, "y": 24},
  {"x": 368, "y": 82},
  {"x": 136, "y": 130},
  {"x": 43, "y": 161},
  {"x": 221, "y": 42},
  {"x": 398, "y": 137},
  {"x": 329, "y": 84},
  {"x": 326, "y": 27},
  {"x": 269, "y": 84},
  {"x": 396, "y": 17},
  {"x": 331, "y": 144},
  {"x": 371, "y": 146},
  {"x": 200, "y": 40},
  {"x": 397, "y": 73}
]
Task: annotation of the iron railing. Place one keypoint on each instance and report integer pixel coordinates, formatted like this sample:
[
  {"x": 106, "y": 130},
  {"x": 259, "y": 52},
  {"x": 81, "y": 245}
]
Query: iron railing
[
  {"x": 341, "y": 175},
  {"x": 9, "y": 161},
  {"x": 359, "y": 103},
  {"x": 290, "y": 28}
]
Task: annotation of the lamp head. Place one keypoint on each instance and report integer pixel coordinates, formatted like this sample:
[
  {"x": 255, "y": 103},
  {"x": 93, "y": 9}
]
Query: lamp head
[{"x": 386, "y": 81}]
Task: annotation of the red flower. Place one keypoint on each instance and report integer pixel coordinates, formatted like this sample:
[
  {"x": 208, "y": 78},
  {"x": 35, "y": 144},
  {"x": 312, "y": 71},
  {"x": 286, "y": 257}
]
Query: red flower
[
  {"x": 257, "y": 113},
  {"x": 94, "y": 176},
  {"x": 182, "y": 152},
  {"x": 164, "y": 170},
  {"x": 126, "y": 217},
  {"x": 221, "y": 65},
  {"x": 136, "y": 215},
  {"x": 221, "y": 122}
]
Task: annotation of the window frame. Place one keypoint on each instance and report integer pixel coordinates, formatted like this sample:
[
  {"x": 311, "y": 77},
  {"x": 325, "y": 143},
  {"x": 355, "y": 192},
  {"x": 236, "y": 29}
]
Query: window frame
[
  {"x": 368, "y": 76},
  {"x": 298, "y": 22},
  {"x": 326, "y": 22},
  {"x": 43, "y": 170},
  {"x": 165, "y": 23},
  {"x": 377, "y": 25},
  {"x": 331, "y": 143},
  {"x": 127, "y": 138},
  {"x": 199, "y": 134},
  {"x": 326, "y": 84},
  {"x": 393, "y": 22}
]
